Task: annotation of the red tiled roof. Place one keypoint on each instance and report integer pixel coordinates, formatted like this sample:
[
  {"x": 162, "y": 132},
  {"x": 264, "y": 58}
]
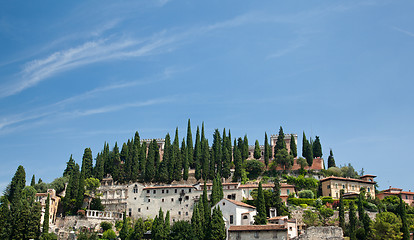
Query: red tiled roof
[
  {"x": 317, "y": 164},
  {"x": 278, "y": 217},
  {"x": 268, "y": 227},
  {"x": 270, "y": 185},
  {"x": 242, "y": 204},
  {"x": 368, "y": 175},
  {"x": 346, "y": 179},
  {"x": 169, "y": 186}
]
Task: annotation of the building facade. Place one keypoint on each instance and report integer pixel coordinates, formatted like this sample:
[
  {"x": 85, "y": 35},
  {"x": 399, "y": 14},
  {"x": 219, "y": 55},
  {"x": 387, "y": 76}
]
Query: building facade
[
  {"x": 407, "y": 197},
  {"x": 54, "y": 201},
  {"x": 331, "y": 186},
  {"x": 253, "y": 232}
]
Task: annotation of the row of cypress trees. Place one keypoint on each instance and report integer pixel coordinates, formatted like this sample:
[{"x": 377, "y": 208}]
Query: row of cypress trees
[{"x": 19, "y": 212}]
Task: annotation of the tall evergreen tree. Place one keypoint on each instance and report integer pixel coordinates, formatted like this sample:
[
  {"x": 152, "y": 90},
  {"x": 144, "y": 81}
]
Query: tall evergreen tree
[
  {"x": 352, "y": 221},
  {"x": 245, "y": 148},
  {"x": 331, "y": 160},
  {"x": 139, "y": 230},
  {"x": 178, "y": 164},
  {"x": 217, "y": 152},
  {"x": 280, "y": 142},
  {"x": 226, "y": 163},
  {"x": 207, "y": 207},
  {"x": 125, "y": 230},
  {"x": 257, "y": 152},
  {"x": 277, "y": 202},
  {"x": 342, "y": 211},
  {"x": 197, "y": 155},
  {"x": 69, "y": 166},
  {"x": 81, "y": 192},
  {"x": 260, "y": 218},
  {"x": 307, "y": 150},
  {"x": 317, "y": 148},
  {"x": 167, "y": 226},
  {"x": 99, "y": 166},
  {"x": 46, "y": 216},
  {"x": 17, "y": 185},
  {"x": 214, "y": 193},
  {"x": 237, "y": 164},
  {"x": 196, "y": 223},
  {"x": 293, "y": 147},
  {"x": 184, "y": 157},
  {"x": 150, "y": 164},
  {"x": 125, "y": 160},
  {"x": 205, "y": 155},
  {"x": 33, "y": 182},
  {"x": 217, "y": 230},
  {"x": 5, "y": 218},
  {"x": 143, "y": 160},
  {"x": 267, "y": 151},
  {"x": 87, "y": 163},
  {"x": 190, "y": 148},
  {"x": 117, "y": 173},
  {"x": 163, "y": 170},
  {"x": 403, "y": 215}
]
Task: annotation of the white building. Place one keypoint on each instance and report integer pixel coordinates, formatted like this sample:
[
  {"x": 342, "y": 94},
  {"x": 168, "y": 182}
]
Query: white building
[{"x": 236, "y": 213}]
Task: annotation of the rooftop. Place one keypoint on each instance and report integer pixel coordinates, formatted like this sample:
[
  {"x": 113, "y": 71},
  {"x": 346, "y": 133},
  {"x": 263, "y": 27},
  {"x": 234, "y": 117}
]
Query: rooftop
[
  {"x": 346, "y": 179},
  {"x": 241, "y": 204},
  {"x": 268, "y": 227}
]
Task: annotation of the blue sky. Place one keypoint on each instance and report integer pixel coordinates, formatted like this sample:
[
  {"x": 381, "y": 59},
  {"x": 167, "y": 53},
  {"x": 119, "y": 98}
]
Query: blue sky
[{"x": 76, "y": 74}]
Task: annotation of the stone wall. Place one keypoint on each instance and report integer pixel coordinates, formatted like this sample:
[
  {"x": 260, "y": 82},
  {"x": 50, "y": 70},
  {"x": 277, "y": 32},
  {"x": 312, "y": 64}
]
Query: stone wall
[{"x": 321, "y": 233}]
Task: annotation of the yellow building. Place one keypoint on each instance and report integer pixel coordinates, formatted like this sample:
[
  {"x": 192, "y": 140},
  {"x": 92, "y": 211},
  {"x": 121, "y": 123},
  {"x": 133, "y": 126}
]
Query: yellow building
[
  {"x": 53, "y": 205},
  {"x": 331, "y": 186}
]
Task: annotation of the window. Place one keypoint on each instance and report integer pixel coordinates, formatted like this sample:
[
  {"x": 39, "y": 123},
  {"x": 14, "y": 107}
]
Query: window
[
  {"x": 179, "y": 213},
  {"x": 175, "y": 191},
  {"x": 186, "y": 213},
  {"x": 162, "y": 191},
  {"x": 135, "y": 198},
  {"x": 135, "y": 189},
  {"x": 224, "y": 203},
  {"x": 231, "y": 219},
  {"x": 329, "y": 186},
  {"x": 288, "y": 191},
  {"x": 256, "y": 234},
  {"x": 162, "y": 200},
  {"x": 189, "y": 190},
  {"x": 130, "y": 212},
  {"x": 155, "y": 191},
  {"x": 406, "y": 196},
  {"x": 149, "y": 200},
  {"x": 172, "y": 199},
  {"x": 343, "y": 186},
  {"x": 353, "y": 187},
  {"x": 186, "y": 197},
  {"x": 167, "y": 191},
  {"x": 369, "y": 189},
  {"x": 147, "y": 208},
  {"x": 139, "y": 209},
  {"x": 336, "y": 185},
  {"x": 148, "y": 191},
  {"x": 245, "y": 217}
]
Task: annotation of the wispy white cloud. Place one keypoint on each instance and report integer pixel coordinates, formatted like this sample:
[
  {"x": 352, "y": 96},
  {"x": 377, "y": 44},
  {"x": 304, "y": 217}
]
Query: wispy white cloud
[
  {"x": 284, "y": 51},
  {"x": 411, "y": 34}
]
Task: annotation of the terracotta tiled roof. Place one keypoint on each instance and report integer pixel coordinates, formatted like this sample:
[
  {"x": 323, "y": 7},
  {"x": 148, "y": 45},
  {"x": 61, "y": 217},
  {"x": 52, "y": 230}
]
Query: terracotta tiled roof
[
  {"x": 278, "y": 217},
  {"x": 268, "y": 227},
  {"x": 224, "y": 184},
  {"x": 368, "y": 175},
  {"x": 169, "y": 186},
  {"x": 242, "y": 204},
  {"x": 317, "y": 164},
  {"x": 346, "y": 179},
  {"x": 270, "y": 185}
]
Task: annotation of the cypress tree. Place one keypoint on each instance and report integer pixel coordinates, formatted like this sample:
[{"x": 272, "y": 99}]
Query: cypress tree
[
  {"x": 17, "y": 185},
  {"x": 178, "y": 164},
  {"x": 139, "y": 230},
  {"x": 207, "y": 208},
  {"x": 281, "y": 209},
  {"x": 167, "y": 226},
  {"x": 184, "y": 157},
  {"x": 214, "y": 193},
  {"x": 69, "y": 166},
  {"x": 226, "y": 163},
  {"x": 46, "y": 217},
  {"x": 149, "y": 167},
  {"x": 293, "y": 147},
  {"x": 217, "y": 230},
  {"x": 266, "y": 150},
  {"x": 135, "y": 161},
  {"x": 245, "y": 148},
  {"x": 156, "y": 156},
  {"x": 190, "y": 148},
  {"x": 304, "y": 145},
  {"x": 331, "y": 160},
  {"x": 87, "y": 165},
  {"x": 403, "y": 214},
  {"x": 352, "y": 221},
  {"x": 165, "y": 165},
  {"x": 257, "y": 152},
  {"x": 99, "y": 166},
  {"x": 197, "y": 155},
  {"x": 280, "y": 142},
  {"x": 124, "y": 233},
  {"x": 117, "y": 174},
  {"x": 260, "y": 218},
  {"x": 317, "y": 148},
  {"x": 32, "y": 222},
  {"x": 33, "y": 182},
  {"x": 205, "y": 155},
  {"x": 196, "y": 223},
  {"x": 142, "y": 160},
  {"x": 81, "y": 192},
  {"x": 237, "y": 165},
  {"x": 5, "y": 218},
  {"x": 361, "y": 210},
  {"x": 342, "y": 211},
  {"x": 216, "y": 160},
  {"x": 125, "y": 159}
]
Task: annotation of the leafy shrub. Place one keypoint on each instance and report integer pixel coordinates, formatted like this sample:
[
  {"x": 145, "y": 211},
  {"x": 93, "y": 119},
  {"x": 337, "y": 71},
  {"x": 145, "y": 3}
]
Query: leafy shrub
[
  {"x": 303, "y": 205},
  {"x": 48, "y": 236},
  {"x": 318, "y": 203},
  {"x": 327, "y": 200},
  {"x": 370, "y": 207},
  {"x": 298, "y": 201},
  {"x": 106, "y": 226},
  {"x": 109, "y": 234},
  {"x": 306, "y": 194}
]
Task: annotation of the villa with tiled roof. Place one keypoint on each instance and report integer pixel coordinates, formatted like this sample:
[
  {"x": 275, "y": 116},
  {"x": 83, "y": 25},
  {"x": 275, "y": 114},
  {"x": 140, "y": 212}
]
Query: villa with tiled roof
[{"x": 331, "y": 186}]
